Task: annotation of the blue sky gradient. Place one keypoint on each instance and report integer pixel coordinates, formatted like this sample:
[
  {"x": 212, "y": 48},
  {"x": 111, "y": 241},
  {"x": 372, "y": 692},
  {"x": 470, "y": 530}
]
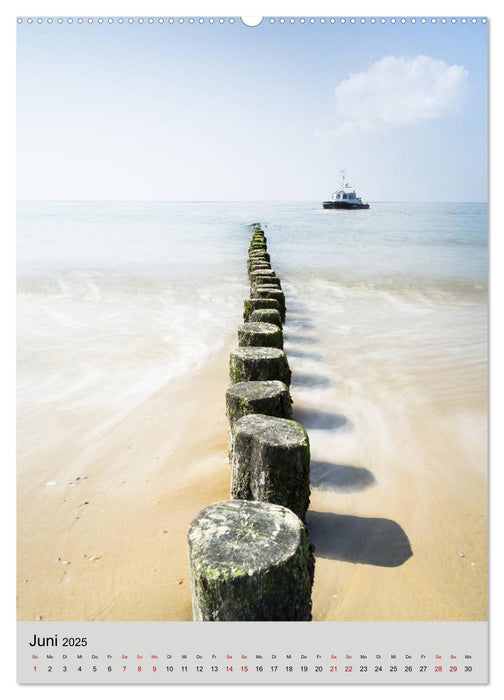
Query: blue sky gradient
[{"x": 229, "y": 112}]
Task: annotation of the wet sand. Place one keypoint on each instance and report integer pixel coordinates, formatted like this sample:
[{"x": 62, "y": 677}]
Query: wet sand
[
  {"x": 397, "y": 515},
  {"x": 107, "y": 541}
]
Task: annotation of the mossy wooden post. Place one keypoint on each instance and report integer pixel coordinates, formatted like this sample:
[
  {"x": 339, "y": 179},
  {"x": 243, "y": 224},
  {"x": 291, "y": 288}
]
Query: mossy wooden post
[
  {"x": 270, "y": 398},
  {"x": 258, "y": 364},
  {"x": 258, "y": 258},
  {"x": 261, "y": 272},
  {"x": 270, "y": 461},
  {"x": 266, "y": 281},
  {"x": 266, "y": 316},
  {"x": 266, "y": 292},
  {"x": 250, "y": 305},
  {"x": 249, "y": 561},
  {"x": 258, "y": 265},
  {"x": 257, "y": 246},
  {"x": 266, "y": 335},
  {"x": 259, "y": 255}
]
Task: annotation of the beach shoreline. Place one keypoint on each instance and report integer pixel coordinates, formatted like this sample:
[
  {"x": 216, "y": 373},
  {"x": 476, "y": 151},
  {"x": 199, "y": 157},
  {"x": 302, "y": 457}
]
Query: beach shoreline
[
  {"x": 127, "y": 313},
  {"x": 107, "y": 541}
]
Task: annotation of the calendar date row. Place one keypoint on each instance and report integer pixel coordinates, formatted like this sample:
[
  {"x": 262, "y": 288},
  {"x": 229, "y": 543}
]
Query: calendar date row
[{"x": 275, "y": 668}]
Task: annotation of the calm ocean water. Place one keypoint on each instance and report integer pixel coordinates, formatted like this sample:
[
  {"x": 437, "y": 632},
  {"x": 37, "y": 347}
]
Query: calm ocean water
[{"x": 115, "y": 299}]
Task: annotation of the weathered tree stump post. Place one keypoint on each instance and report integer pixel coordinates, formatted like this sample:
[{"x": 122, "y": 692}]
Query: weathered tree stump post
[
  {"x": 259, "y": 255},
  {"x": 257, "y": 247},
  {"x": 271, "y": 398},
  {"x": 258, "y": 265},
  {"x": 258, "y": 260},
  {"x": 262, "y": 272},
  {"x": 270, "y": 461},
  {"x": 258, "y": 364},
  {"x": 266, "y": 316},
  {"x": 250, "y": 305},
  {"x": 266, "y": 281},
  {"x": 249, "y": 561},
  {"x": 266, "y": 335},
  {"x": 266, "y": 292}
]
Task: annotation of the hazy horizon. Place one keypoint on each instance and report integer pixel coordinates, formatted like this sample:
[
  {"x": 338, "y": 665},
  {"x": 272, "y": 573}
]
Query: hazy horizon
[{"x": 306, "y": 201}]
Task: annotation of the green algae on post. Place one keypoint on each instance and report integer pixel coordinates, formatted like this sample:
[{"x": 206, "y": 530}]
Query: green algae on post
[
  {"x": 259, "y": 255},
  {"x": 262, "y": 271},
  {"x": 255, "y": 266},
  {"x": 249, "y": 561},
  {"x": 266, "y": 281},
  {"x": 270, "y": 292},
  {"x": 258, "y": 364},
  {"x": 266, "y": 316},
  {"x": 266, "y": 335},
  {"x": 250, "y": 305},
  {"x": 257, "y": 247},
  {"x": 258, "y": 265},
  {"x": 270, "y": 461},
  {"x": 270, "y": 398}
]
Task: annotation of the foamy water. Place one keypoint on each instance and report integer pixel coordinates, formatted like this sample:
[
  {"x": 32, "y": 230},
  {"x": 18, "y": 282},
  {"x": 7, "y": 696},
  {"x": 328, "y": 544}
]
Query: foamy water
[
  {"x": 117, "y": 299},
  {"x": 377, "y": 372}
]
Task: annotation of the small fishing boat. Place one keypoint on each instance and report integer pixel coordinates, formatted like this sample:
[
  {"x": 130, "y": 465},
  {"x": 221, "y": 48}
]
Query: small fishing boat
[{"x": 345, "y": 197}]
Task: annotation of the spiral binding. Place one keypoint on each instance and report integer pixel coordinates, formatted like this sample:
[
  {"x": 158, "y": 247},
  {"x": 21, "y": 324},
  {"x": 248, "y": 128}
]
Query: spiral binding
[{"x": 271, "y": 20}]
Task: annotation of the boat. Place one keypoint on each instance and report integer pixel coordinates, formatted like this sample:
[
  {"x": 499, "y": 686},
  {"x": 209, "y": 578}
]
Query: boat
[{"x": 345, "y": 197}]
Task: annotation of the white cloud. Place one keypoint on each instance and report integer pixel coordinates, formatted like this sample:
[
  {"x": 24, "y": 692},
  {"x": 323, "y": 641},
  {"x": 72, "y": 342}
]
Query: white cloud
[{"x": 397, "y": 91}]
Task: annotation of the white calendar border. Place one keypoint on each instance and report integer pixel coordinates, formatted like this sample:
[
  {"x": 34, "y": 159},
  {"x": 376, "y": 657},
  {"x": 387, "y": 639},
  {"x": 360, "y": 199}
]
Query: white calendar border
[{"x": 237, "y": 8}]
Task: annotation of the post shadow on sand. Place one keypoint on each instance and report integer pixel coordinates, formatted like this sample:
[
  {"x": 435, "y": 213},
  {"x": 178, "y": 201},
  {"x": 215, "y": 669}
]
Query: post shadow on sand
[
  {"x": 342, "y": 478},
  {"x": 302, "y": 354},
  {"x": 299, "y": 322},
  {"x": 310, "y": 379},
  {"x": 302, "y": 339},
  {"x": 312, "y": 419},
  {"x": 374, "y": 541}
]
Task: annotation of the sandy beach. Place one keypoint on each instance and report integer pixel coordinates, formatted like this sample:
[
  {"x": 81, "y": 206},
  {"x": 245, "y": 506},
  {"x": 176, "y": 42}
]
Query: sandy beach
[
  {"x": 398, "y": 517},
  {"x": 107, "y": 540},
  {"x": 125, "y": 326}
]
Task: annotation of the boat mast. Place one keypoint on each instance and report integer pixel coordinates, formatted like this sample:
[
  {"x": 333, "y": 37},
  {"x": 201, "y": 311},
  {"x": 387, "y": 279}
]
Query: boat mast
[{"x": 342, "y": 178}]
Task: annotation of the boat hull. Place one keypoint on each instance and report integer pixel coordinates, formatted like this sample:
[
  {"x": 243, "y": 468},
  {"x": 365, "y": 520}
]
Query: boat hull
[{"x": 344, "y": 205}]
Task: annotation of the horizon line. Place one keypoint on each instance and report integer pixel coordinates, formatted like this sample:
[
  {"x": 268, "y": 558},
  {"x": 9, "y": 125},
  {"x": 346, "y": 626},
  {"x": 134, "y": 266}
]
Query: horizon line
[{"x": 243, "y": 201}]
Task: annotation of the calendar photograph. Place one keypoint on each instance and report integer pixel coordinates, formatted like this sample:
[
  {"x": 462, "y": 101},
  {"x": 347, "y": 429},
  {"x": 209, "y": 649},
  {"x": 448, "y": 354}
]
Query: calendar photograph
[{"x": 252, "y": 329}]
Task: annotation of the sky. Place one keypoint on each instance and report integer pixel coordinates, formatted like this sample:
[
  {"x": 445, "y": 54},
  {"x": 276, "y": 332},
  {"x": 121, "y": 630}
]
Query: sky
[{"x": 174, "y": 112}]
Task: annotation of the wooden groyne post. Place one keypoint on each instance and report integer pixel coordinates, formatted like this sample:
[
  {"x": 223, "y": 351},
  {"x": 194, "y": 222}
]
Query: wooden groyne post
[
  {"x": 250, "y": 557},
  {"x": 271, "y": 462},
  {"x": 250, "y": 561}
]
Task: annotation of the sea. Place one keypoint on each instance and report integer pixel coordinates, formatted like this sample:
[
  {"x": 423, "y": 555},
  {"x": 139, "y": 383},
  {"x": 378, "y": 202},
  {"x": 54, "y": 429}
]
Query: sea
[{"x": 386, "y": 308}]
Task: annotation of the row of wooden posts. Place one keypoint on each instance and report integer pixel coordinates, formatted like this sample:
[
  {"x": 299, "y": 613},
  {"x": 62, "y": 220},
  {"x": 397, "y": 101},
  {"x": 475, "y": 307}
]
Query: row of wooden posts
[{"x": 250, "y": 557}]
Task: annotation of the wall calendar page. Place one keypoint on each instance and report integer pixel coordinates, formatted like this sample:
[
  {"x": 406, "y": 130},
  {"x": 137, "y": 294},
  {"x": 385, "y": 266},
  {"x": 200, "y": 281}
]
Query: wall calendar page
[{"x": 252, "y": 347}]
